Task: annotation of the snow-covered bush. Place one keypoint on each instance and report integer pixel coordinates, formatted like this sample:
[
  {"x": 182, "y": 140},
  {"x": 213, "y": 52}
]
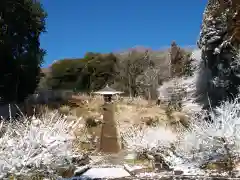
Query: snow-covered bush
[
  {"x": 168, "y": 88},
  {"x": 211, "y": 141},
  {"x": 148, "y": 139},
  {"x": 35, "y": 145},
  {"x": 202, "y": 143},
  {"x": 185, "y": 87},
  {"x": 153, "y": 140}
]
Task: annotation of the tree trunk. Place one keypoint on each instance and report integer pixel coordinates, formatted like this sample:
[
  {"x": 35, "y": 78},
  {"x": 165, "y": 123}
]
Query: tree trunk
[{"x": 129, "y": 85}]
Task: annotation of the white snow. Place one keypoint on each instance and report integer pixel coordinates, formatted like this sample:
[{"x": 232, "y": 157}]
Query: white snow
[
  {"x": 34, "y": 144},
  {"x": 109, "y": 173}
]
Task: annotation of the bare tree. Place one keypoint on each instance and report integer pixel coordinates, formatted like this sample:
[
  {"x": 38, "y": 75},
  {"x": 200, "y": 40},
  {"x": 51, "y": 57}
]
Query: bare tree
[
  {"x": 178, "y": 60},
  {"x": 130, "y": 67},
  {"x": 149, "y": 81},
  {"x": 142, "y": 72}
]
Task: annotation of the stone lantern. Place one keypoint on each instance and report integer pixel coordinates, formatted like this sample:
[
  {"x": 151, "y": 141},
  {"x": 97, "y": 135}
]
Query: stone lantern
[{"x": 110, "y": 141}]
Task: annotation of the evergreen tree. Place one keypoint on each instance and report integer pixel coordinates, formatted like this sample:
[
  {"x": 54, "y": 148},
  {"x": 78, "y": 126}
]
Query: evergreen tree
[{"x": 22, "y": 22}]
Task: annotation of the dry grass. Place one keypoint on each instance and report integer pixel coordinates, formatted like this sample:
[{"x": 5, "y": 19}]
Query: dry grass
[
  {"x": 86, "y": 105},
  {"x": 128, "y": 112},
  {"x": 131, "y": 114}
]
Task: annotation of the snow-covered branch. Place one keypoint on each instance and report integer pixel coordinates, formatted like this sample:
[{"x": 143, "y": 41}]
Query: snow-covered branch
[
  {"x": 148, "y": 139},
  {"x": 35, "y": 144},
  {"x": 201, "y": 143}
]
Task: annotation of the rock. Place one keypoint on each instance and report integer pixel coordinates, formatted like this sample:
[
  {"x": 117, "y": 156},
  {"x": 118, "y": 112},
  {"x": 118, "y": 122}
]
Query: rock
[
  {"x": 177, "y": 172},
  {"x": 81, "y": 160},
  {"x": 96, "y": 159},
  {"x": 136, "y": 169},
  {"x": 80, "y": 170},
  {"x": 236, "y": 171},
  {"x": 77, "y": 160},
  {"x": 188, "y": 170},
  {"x": 130, "y": 156},
  {"x": 100, "y": 173},
  {"x": 152, "y": 175},
  {"x": 106, "y": 173},
  {"x": 160, "y": 163},
  {"x": 236, "y": 174},
  {"x": 150, "y": 121},
  {"x": 66, "y": 172}
]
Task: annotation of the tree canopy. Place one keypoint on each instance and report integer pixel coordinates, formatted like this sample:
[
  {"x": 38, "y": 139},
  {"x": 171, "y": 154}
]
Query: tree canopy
[
  {"x": 22, "y": 22},
  {"x": 134, "y": 72},
  {"x": 91, "y": 72}
]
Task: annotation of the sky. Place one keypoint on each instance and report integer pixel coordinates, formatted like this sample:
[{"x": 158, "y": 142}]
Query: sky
[{"x": 75, "y": 27}]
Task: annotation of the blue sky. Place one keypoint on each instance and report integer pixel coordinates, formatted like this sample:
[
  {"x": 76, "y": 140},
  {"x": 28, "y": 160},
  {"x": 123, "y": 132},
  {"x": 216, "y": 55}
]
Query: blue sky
[{"x": 75, "y": 27}]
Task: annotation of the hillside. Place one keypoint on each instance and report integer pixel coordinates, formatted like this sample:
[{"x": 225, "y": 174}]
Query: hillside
[{"x": 136, "y": 71}]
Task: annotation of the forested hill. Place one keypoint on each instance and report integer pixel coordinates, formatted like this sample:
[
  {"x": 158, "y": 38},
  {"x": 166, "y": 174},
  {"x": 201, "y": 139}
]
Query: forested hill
[{"x": 133, "y": 71}]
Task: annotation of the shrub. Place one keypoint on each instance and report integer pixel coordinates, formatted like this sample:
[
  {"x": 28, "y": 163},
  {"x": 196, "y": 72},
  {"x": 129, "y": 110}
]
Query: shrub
[
  {"x": 65, "y": 110},
  {"x": 185, "y": 88},
  {"x": 201, "y": 144},
  {"x": 213, "y": 141},
  {"x": 148, "y": 139},
  {"x": 39, "y": 145}
]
